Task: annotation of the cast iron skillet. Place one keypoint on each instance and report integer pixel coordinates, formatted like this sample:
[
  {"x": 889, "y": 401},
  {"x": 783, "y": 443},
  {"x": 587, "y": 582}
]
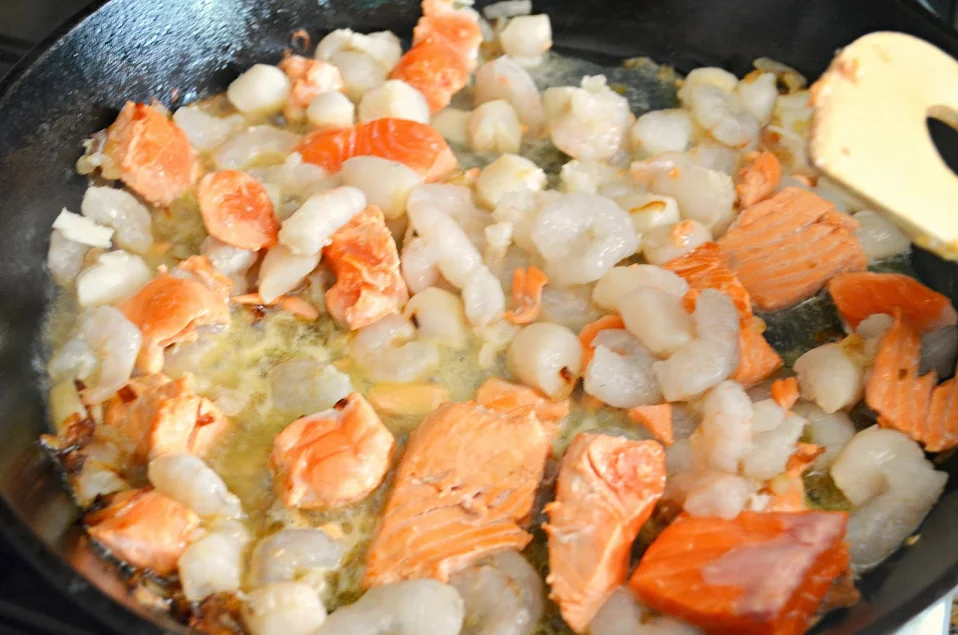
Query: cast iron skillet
[{"x": 180, "y": 50}]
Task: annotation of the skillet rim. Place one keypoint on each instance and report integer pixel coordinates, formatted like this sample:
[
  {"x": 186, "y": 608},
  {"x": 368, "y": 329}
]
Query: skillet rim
[{"x": 87, "y": 596}]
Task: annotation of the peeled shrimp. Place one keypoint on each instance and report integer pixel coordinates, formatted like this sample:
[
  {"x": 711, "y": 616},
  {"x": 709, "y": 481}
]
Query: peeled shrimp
[
  {"x": 396, "y": 99},
  {"x": 661, "y": 131},
  {"x": 262, "y": 89},
  {"x": 772, "y": 449},
  {"x": 389, "y": 351},
  {"x": 665, "y": 243},
  {"x": 291, "y": 553},
  {"x": 547, "y": 357},
  {"x": 282, "y": 270},
  {"x": 582, "y": 236},
  {"x": 621, "y": 282},
  {"x": 494, "y": 127},
  {"x": 710, "y": 357},
  {"x": 283, "y": 608},
  {"x": 412, "y": 607},
  {"x": 525, "y": 38},
  {"x": 214, "y": 563},
  {"x": 232, "y": 262},
  {"x": 503, "y": 596},
  {"x": 438, "y": 316},
  {"x": 757, "y": 93},
  {"x": 571, "y": 307},
  {"x": 253, "y": 144},
  {"x": 830, "y": 378},
  {"x": 508, "y": 173},
  {"x": 386, "y": 184},
  {"x": 456, "y": 201},
  {"x": 725, "y": 435},
  {"x": 717, "y": 494},
  {"x": 115, "y": 275},
  {"x": 189, "y": 480},
  {"x": 879, "y": 237},
  {"x": 504, "y": 78},
  {"x": 704, "y": 195},
  {"x": 723, "y": 116},
  {"x": 306, "y": 385},
  {"x": 593, "y": 177},
  {"x": 590, "y": 122},
  {"x": 65, "y": 257},
  {"x": 830, "y": 431},
  {"x": 658, "y": 319},
  {"x": 206, "y": 131},
  {"x": 622, "y": 614},
  {"x": 118, "y": 209},
  {"x": 620, "y": 371},
  {"x": 706, "y": 76},
  {"x": 310, "y": 227},
  {"x": 115, "y": 343},
  {"x": 885, "y": 475},
  {"x": 520, "y": 208},
  {"x": 418, "y": 265}
]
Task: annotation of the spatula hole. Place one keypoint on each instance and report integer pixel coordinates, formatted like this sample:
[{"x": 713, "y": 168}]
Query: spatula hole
[{"x": 945, "y": 137}]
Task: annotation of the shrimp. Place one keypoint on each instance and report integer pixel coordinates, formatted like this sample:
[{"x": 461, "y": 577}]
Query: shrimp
[
  {"x": 130, "y": 220},
  {"x": 312, "y": 226},
  {"x": 190, "y": 481},
  {"x": 623, "y": 614},
  {"x": 879, "y": 237},
  {"x": 706, "y": 76},
  {"x": 311, "y": 455},
  {"x": 386, "y": 184},
  {"x": 508, "y": 173},
  {"x": 582, "y": 236},
  {"x": 389, "y": 351},
  {"x": 885, "y": 475},
  {"x": 260, "y": 90},
  {"x": 306, "y": 385},
  {"x": 771, "y": 449},
  {"x": 666, "y": 243},
  {"x": 723, "y": 116},
  {"x": 290, "y": 553},
  {"x": 308, "y": 79},
  {"x": 831, "y": 378},
  {"x": 757, "y": 93},
  {"x": 725, "y": 435},
  {"x": 232, "y": 262},
  {"x": 331, "y": 110},
  {"x": 661, "y": 131},
  {"x": 504, "y": 78},
  {"x": 829, "y": 431},
  {"x": 502, "y": 596},
  {"x": 657, "y": 319},
  {"x": 115, "y": 275},
  {"x": 619, "y": 372},
  {"x": 418, "y": 265},
  {"x": 214, "y": 563},
  {"x": 395, "y": 99},
  {"x": 621, "y": 282},
  {"x": 105, "y": 345},
  {"x": 572, "y": 307},
  {"x": 526, "y": 37},
  {"x": 520, "y": 208},
  {"x": 709, "y": 358},
  {"x": 594, "y": 177},
  {"x": 65, "y": 258},
  {"x": 282, "y": 270},
  {"x": 236, "y": 209},
  {"x": 494, "y": 127},
  {"x": 547, "y": 357},
  {"x": 411, "y": 607},
  {"x": 717, "y": 494},
  {"x": 204, "y": 130},
  {"x": 438, "y": 316},
  {"x": 283, "y": 608},
  {"x": 252, "y": 145},
  {"x": 588, "y": 123}
]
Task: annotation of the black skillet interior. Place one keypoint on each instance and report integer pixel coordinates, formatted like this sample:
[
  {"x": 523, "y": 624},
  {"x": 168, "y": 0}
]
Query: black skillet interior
[{"x": 179, "y": 50}]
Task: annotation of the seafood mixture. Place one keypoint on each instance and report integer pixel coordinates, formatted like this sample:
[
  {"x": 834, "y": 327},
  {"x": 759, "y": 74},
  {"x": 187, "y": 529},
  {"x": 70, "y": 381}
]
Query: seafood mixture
[{"x": 425, "y": 342}]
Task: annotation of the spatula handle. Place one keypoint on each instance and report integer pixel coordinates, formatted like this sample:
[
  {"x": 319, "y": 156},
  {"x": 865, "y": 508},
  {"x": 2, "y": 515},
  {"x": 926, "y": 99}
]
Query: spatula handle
[{"x": 870, "y": 133}]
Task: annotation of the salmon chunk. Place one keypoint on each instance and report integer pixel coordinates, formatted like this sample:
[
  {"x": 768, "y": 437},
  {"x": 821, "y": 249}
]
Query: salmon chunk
[
  {"x": 860, "y": 294},
  {"x": 236, "y": 209},
  {"x": 517, "y": 401},
  {"x": 757, "y": 179},
  {"x": 706, "y": 267},
  {"x": 309, "y": 78},
  {"x": 786, "y": 248},
  {"x": 364, "y": 257},
  {"x": 435, "y": 68},
  {"x": 158, "y": 416},
  {"x": 656, "y": 419},
  {"x": 331, "y": 458},
  {"x": 144, "y": 528},
  {"x": 757, "y": 574},
  {"x": 168, "y": 310},
  {"x": 463, "y": 490},
  {"x": 757, "y": 360},
  {"x": 153, "y": 154},
  {"x": 606, "y": 489},
  {"x": 416, "y": 145},
  {"x": 943, "y": 418}
]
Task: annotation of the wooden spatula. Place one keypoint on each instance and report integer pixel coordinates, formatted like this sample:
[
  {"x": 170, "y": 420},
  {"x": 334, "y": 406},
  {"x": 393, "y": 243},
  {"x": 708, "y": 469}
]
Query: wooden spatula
[{"x": 870, "y": 134}]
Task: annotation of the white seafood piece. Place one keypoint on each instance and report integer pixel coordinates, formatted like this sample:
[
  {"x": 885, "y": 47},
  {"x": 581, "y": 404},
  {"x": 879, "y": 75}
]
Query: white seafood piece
[
  {"x": 548, "y": 357},
  {"x": 591, "y": 122},
  {"x": 411, "y": 607},
  {"x": 64, "y": 402},
  {"x": 521, "y": 209},
  {"x": 709, "y": 358},
  {"x": 282, "y": 271},
  {"x": 661, "y": 131},
  {"x": 311, "y": 227},
  {"x": 886, "y": 476},
  {"x": 621, "y": 282},
  {"x": 715, "y": 156},
  {"x": 494, "y": 127},
  {"x": 587, "y": 176},
  {"x": 115, "y": 275},
  {"x": 620, "y": 371},
  {"x": 254, "y": 144},
  {"x": 206, "y": 131},
  {"x": 525, "y": 38},
  {"x": 65, "y": 257},
  {"x": 99, "y": 473},
  {"x": 418, "y": 265},
  {"x": 830, "y": 431},
  {"x": 115, "y": 343},
  {"x": 261, "y": 90},
  {"x": 498, "y": 240},
  {"x": 76, "y": 359},
  {"x": 790, "y": 147},
  {"x": 495, "y": 338},
  {"x": 665, "y": 243},
  {"x": 505, "y": 78},
  {"x": 304, "y": 384},
  {"x": 453, "y": 125},
  {"x": 622, "y": 614},
  {"x": 394, "y": 99},
  {"x": 456, "y": 201},
  {"x": 723, "y": 115},
  {"x": 189, "y": 480},
  {"x": 706, "y": 76},
  {"x": 382, "y": 46},
  {"x": 438, "y": 315},
  {"x": 83, "y": 230},
  {"x": 389, "y": 351},
  {"x": 657, "y": 319},
  {"x": 386, "y": 184},
  {"x": 830, "y": 378},
  {"x": 297, "y": 179},
  {"x": 230, "y": 261},
  {"x": 291, "y": 553},
  {"x": 214, "y": 563},
  {"x": 724, "y": 437},
  {"x": 766, "y": 415},
  {"x": 361, "y": 73},
  {"x": 649, "y": 211},
  {"x": 718, "y": 494},
  {"x": 283, "y": 608},
  {"x": 572, "y": 307},
  {"x": 772, "y": 448},
  {"x": 704, "y": 195},
  {"x": 582, "y": 236},
  {"x": 120, "y": 210},
  {"x": 503, "y": 596},
  {"x": 507, "y": 9},
  {"x": 879, "y": 237},
  {"x": 331, "y": 109},
  {"x": 757, "y": 93},
  {"x": 508, "y": 173}
]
